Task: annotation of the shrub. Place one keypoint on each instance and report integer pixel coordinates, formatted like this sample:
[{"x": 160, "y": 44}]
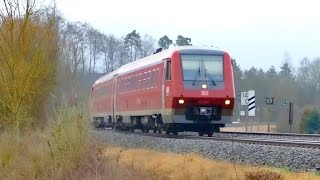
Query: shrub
[{"x": 310, "y": 122}]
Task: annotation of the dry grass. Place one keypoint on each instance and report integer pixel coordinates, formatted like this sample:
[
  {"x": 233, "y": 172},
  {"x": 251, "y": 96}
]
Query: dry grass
[
  {"x": 263, "y": 175},
  {"x": 61, "y": 151},
  {"x": 45, "y": 154},
  {"x": 95, "y": 166},
  {"x": 159, "y": 165}
]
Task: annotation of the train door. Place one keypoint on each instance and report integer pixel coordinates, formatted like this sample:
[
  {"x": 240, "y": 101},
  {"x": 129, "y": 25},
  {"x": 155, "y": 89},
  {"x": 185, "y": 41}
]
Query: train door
[
  {"x": 166, "y": 87},
  {"x": 114, "y": 96}
]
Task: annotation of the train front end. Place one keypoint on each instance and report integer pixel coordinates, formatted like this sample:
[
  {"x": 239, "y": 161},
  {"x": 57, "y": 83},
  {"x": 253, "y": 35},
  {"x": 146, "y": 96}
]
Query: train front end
[{"x": 200, "y": 94}]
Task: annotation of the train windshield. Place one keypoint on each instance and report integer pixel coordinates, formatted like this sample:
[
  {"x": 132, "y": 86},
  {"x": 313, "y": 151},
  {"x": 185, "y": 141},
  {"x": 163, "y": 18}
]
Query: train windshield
[{"x": 202, "y": 67}]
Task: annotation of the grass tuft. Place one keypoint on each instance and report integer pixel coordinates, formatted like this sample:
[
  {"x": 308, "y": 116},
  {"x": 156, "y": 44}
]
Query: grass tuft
[{"x": 263, "y": 175}]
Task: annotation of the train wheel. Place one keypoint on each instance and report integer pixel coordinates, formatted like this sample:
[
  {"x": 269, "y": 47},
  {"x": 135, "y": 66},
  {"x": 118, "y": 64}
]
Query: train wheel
[
  {"x": 155, "y": 130},
  {"x": 210, "y": 134},
  {"x": 200, "y": 133},
  {"x": 175, "y": 133},
  {"x": 216, "y": 129},
  {"x": 167, "y": 132},
  {"x": 146, "y": 130},
  {"x": 132, "y": 129}
]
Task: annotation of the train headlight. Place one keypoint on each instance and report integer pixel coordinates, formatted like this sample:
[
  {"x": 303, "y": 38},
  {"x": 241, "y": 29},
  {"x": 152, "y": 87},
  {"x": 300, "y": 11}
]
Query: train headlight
[
  {"x": 204, "y": 86},
  {"x": 181, "y": 101},
  {"x": 227, "y": 102}
]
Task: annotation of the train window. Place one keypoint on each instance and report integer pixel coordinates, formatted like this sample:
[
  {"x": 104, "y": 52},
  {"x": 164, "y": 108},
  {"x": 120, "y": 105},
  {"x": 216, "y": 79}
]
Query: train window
[
  {"x": 126, "y": 85},
  {"x": 210, "y": 64},
  {"x": 158, "y": 75},
  {"x": 130, "y": 83},
  {"x": 148, "y": 80},
  {"x": 144, "y": 80},
  {"x": 168, "y": 70},
  {"x": 149, "y": 83},
  {"x": 123, "y": 85},
  {"x": 153, "y": 78},
  {"x": 119, "y": 85},
  {"x": 133, "y": 82},
  {"x": 136, "y": 82},
  {"x": 140, "y": 81}
]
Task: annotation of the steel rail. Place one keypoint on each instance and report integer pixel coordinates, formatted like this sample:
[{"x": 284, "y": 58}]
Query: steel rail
[
  {"x": 271, "y": 134},
  {"x": 262, "y": 141}
]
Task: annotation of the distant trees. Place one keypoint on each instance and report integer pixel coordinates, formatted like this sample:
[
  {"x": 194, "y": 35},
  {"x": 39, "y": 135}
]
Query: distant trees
[
  {"x": 164, "y": 42},
  {"x": 85, "y": 49},
  {"x": 183, "y": 41},
  {"x": 110, "y": 46},
  {"x": 147, "y": 45},
  {"x": 132, "y": 41},
  {"x": 302, "y": 88},
  {"x": 95, "y": 44},
  {"x": 286, "y": 71},
  {"x": 237, "y": 73}
]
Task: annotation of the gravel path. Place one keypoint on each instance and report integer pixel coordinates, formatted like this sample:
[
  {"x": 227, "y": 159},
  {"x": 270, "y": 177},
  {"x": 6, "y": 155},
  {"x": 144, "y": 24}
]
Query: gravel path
[{"x": 295, "y": 159}]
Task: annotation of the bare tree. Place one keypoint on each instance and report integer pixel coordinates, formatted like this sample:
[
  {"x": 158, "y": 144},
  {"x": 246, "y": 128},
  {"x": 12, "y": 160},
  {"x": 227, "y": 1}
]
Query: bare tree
[
  {"x": 110, "y": 47},
  {"x": 94, "y": 38},
  {"x": 147, "y": 45},
  {"x": 74, "y": 45}
]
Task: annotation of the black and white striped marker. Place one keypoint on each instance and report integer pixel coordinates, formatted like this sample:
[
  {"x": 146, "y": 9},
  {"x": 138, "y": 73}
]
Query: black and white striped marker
[{"x": 251, "y": 103}]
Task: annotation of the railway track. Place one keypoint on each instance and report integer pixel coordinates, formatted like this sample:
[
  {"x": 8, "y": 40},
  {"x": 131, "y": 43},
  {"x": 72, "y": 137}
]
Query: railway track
[
  {"x": 255, "y": 139},
  {"x": 271, "y": 134}
]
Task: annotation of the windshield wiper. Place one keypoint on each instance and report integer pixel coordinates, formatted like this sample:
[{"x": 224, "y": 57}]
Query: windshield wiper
[
  {"x": 195, "y": 78},
  {"x": 205, "y": 75}
]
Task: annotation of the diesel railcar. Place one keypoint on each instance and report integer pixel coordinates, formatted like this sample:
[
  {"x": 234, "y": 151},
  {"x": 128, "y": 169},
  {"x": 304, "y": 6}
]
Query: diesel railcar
[{"x": 180, "y": 89}]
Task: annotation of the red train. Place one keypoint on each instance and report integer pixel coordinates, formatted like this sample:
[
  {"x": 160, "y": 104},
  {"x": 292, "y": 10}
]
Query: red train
[{"x": 180, "y": 89}]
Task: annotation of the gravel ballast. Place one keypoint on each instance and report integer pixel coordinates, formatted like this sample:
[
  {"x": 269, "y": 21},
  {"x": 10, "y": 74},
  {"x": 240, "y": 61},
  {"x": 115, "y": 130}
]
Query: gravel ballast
[{"x": 292, "y": 158}]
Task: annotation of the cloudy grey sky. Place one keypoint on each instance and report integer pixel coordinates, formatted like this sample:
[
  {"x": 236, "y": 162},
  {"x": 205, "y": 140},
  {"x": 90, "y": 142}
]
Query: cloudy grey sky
[{"x": 255, "y": 32}]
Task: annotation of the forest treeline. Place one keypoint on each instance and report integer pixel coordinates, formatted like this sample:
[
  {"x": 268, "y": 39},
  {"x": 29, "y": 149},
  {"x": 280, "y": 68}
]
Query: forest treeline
[
  {"x": 69, "y": 56},
  {"x": 96, "y": 51},
  {"x": 300, "y": 85}
]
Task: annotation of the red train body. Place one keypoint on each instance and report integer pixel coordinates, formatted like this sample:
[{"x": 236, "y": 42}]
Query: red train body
[{"x": 180, "y": 89}]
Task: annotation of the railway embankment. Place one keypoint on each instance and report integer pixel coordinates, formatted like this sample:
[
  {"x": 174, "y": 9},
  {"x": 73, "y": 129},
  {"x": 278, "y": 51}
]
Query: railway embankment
[{"x": 290, "y": 158}]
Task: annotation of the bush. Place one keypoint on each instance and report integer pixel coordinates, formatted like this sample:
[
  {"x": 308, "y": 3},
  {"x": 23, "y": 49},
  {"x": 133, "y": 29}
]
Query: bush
[
  {"x": 310, "y": 122},
  {"x": 28, "y": 63}
]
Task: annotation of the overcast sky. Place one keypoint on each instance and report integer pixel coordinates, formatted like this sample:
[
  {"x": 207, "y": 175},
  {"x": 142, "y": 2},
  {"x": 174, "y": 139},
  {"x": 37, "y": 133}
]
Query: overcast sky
[{"x": 255, "y": 32}]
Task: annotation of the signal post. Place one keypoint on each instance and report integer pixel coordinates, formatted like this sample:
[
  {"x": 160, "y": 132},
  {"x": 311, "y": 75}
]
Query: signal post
[{"x": 248, "y": 99}]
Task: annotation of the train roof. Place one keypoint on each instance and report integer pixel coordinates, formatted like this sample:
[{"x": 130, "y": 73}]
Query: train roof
[{"x": 152, "y": 59}]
